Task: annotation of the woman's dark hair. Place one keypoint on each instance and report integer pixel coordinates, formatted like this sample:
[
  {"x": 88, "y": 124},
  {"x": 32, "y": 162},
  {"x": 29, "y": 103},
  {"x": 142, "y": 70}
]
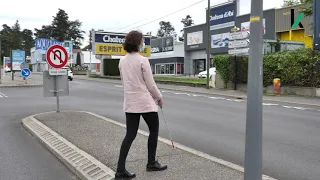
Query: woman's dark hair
[{"x": 133, "y": 41}]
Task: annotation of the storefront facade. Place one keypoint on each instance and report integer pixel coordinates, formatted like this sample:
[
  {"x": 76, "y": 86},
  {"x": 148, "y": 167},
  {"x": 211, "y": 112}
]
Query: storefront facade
[{"x": 167, "y": 56}]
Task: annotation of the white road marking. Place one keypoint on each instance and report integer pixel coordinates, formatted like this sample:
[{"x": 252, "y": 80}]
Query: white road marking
[
  {"x": 270, "y": 104},
  {"x": 183, "y": 94},
  {"x": 2, "y": 95},
  {"x": 118, "y": 86},
  {"x": 216, "y": 98}
]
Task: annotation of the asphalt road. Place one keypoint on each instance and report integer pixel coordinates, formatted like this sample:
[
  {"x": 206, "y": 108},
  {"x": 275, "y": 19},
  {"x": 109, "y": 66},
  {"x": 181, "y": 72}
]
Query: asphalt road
[
  {"x": 213, "y": 125},
  {"x": 21, "y": 156}
]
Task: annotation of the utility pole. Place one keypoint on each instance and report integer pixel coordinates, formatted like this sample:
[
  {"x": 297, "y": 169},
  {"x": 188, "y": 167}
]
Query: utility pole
[
  {"x": 209, "y": 46},
  {"x": 253, "y": 144},
  {"x": 316, "y": 28},
  {"x": 11, "y": 66},
  {"x": 1, "y": 63}
]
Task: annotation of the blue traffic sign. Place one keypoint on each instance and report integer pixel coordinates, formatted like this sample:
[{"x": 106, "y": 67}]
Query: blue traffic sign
[{"x": 25, "y": 72}]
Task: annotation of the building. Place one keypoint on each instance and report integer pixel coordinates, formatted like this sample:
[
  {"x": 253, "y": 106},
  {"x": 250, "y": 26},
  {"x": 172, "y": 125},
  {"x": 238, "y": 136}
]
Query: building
[
  {"x": 167, "y": 56},
  {"x": 284, "y": 18},
  {"x": 224, "y": 17}
]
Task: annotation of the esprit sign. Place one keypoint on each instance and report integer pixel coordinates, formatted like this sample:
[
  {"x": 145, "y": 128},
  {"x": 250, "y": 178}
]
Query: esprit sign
[{"x": 106, "y": 43}]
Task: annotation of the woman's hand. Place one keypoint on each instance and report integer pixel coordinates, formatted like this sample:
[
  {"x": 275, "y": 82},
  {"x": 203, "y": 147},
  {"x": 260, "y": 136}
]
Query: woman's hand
[{"x": 160, "y": 103}]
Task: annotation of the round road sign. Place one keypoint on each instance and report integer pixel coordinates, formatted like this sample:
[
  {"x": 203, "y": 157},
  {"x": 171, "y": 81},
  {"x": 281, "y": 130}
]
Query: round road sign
[{"x": 57, "y": 56}]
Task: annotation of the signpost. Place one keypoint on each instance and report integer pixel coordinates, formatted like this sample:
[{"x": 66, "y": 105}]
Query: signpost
[
  {"x": 54, "y": 79},
  {"x": 25, "y": 72},
  {"x": 238, "y": 46}
]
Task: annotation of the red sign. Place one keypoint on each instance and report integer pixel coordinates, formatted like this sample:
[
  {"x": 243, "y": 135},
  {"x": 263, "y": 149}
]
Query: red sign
[{"x": 57, "y": 56}]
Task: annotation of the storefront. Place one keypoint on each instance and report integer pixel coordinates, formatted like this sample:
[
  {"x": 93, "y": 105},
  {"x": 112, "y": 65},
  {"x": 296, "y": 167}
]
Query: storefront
[
  {"x": 284, "y": 19},
  {"x": 167, "y": 56},
  {"x": 222, "y": 19}
]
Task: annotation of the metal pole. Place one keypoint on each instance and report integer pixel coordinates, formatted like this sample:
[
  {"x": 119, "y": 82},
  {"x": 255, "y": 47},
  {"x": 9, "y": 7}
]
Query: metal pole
[
  {"x": 11, "y": 61},
  {"x": 316, "y": 28},
  {"x": 57, "y": 92},
  {"x": 0, "y": 63},
  {"x": 253, "y": 144},
  {"x": 209, "y": 45},
  {"x": 235, "y": 72}
]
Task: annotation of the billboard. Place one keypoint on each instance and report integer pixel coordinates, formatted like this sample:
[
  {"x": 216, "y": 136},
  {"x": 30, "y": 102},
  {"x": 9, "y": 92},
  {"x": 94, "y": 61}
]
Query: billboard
[
  {"x": 44, "y": 43},
  {"x": 245, "y": 26},
  {"x": 164, "y": 44},
  {"x": 220, "y": 40},
  {"x": 223, "y": 16},
  {"x": 18, "y": 56},
  {"x": 68, "y": 45},
  {"x": 109, "y": 43}
]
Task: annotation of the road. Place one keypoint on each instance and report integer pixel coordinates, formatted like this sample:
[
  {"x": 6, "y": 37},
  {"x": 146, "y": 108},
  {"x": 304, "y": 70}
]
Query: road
[
  {"x": 21, "y": 156},
  {"x": 214, "y": 125}
]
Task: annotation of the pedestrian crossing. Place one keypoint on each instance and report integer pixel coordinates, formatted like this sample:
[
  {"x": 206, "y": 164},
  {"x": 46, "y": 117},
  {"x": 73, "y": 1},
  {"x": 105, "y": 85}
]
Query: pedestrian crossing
[{"x": 2, "y": 95}]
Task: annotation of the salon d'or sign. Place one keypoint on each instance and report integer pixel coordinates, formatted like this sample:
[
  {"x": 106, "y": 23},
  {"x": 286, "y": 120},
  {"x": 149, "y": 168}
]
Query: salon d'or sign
[{"x": 112, "y": 44}]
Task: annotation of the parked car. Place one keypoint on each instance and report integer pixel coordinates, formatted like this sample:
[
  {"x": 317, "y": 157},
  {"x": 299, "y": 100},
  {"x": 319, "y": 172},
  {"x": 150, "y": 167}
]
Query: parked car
[
  {"x": 203, "y": 74},
  {"x": 70, "y": 73}
]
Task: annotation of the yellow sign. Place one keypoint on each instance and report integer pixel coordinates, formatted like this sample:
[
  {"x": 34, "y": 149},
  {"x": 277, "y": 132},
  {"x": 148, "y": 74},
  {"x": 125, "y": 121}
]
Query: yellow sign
[
  {"x": 117, "y": 49},
  {"x": 255, "y": 18}
]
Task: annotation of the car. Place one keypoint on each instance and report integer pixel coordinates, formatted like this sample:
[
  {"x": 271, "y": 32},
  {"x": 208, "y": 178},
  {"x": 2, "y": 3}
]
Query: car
[
  {"x": 203, "y": 74},
  {"x": 70, "y": 73}
]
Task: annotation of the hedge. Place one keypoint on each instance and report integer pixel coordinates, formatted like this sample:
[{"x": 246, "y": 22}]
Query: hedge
[
  {"x": 295, "y": 68},
  {"x": 111, "y": 67}
]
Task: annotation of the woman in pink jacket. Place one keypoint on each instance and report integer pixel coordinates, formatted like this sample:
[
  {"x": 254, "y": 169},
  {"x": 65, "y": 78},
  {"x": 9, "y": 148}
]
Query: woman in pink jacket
[{"x": 141, "y": 98}]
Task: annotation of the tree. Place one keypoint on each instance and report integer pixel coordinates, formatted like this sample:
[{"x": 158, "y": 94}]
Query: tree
[
  {"x": 61, "y": 29},
  {"x": 308, "y": 10},
  {"x": 27, "y": 41},
  {"x": 166, "y": 29},
  {"x": 13, "y": 38},
  {"x": 287, "y": 3},
  {"x": 78, "y": 59},
  {"x": 187, "y": 21}
]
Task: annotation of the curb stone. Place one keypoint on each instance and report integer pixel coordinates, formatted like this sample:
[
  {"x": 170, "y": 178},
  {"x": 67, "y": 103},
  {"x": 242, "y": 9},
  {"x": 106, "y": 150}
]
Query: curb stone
[
  {"x": 67, "y": 152},
  {"x": 21, "y": 85},
  {"x": 79, "y": 162}
]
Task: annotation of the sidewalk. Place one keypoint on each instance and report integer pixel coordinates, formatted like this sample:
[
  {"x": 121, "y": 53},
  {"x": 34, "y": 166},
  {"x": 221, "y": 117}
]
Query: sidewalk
[
  {"x": 309, "y": 101},
  {"x": 6, "y": 81},
  {"x": 102, "y": 137}
]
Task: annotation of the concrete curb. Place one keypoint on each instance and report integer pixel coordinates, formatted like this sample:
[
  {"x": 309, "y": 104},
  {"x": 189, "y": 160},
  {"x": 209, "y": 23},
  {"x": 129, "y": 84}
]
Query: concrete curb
[
  {"x": 217, "y": 94},
  {"x": 79, "y": 162},
  {"x": 21, "y": 85}
]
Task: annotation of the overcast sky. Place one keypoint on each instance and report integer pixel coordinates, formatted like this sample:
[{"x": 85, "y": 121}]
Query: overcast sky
[{"x": 112, "y": 16}]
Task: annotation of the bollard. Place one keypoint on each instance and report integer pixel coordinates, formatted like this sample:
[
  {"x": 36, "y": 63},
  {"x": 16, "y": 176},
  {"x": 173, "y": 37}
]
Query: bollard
[{"x": 276, "y": 86}]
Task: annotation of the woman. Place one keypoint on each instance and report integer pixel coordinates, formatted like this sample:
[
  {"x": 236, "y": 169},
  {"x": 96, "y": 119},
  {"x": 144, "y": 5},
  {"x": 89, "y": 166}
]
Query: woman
[{"x": 141, "y": 98}]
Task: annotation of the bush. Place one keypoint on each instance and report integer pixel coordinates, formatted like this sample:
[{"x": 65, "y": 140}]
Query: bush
[
  {"x": 294, "y": 68},
  {"x": 222, "y": 64},
  {"x": 78, "y": 59}
]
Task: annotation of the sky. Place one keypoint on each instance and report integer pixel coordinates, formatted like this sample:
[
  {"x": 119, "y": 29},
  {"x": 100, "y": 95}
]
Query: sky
[{"x": 115, "y": 16}]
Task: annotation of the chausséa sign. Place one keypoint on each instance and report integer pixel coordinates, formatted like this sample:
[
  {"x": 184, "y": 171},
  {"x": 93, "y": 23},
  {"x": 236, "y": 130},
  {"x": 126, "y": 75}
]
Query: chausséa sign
[
  {"x": 223, "y": 16},
  {"x": 112, "y": 44}
]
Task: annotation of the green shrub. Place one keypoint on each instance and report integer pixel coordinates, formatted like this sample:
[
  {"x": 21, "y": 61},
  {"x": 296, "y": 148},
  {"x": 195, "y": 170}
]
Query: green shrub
[
  {"x": 78, "y": 59},
  {"x": 111, "y": 67},
  {"x": 299, "y": 67},
  {"x": 222, "y": 64}
]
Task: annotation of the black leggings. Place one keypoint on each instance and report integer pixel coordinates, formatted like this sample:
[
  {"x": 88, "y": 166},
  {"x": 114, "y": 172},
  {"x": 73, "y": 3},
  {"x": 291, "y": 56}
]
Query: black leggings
[{"x": 133, "y": 120}]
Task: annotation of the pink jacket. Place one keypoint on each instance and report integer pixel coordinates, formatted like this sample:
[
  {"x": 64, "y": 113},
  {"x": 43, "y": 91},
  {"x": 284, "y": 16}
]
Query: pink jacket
[{"x": 140, "y": 90}]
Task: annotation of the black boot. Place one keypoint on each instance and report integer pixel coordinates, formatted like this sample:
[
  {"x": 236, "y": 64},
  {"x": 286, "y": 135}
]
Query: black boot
[
  {"x": 156, "y": 166},
  {"x": 124, "y": 175}
]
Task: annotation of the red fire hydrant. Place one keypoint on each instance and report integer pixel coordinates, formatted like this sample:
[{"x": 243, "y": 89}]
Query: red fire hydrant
[{"x": 276, "y": 86}]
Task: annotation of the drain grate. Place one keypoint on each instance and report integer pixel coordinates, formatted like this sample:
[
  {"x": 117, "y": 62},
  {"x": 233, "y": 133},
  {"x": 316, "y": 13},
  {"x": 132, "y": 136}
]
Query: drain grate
[{"x": 81, "y": 163}]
